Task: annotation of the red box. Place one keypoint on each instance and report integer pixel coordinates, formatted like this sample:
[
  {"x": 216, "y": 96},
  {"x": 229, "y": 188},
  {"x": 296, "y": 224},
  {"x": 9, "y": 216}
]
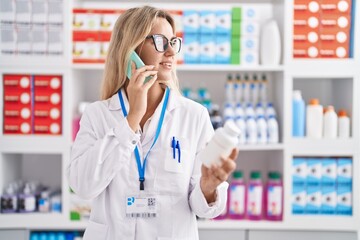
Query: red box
[
  {"x": 307, "y": 6},
  {"x": 306, "y": 50},
  {"x": 47, "y": 104},
  {"x": 17, "y": 104},
  {"x": 333, "y": 50},
  {"x": 336, "y": 7}
]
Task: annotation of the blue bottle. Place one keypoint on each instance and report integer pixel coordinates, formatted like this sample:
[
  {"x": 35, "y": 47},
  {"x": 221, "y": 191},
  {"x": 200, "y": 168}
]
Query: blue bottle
[{"x": 298, "y": 115}]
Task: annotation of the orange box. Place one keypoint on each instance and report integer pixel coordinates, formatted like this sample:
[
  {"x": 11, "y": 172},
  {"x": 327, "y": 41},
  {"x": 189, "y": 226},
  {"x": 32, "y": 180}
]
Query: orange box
[
  {"x": 336, "y": 7},
  {"x": 340, "y": 21},
  {"x": 306, "y": 50},
  {"x": 307, "y": 6},
  {"x": 333, "y": 50},
  {"x": 306, "y": 35},
  {"x": 47, "y": 104}
]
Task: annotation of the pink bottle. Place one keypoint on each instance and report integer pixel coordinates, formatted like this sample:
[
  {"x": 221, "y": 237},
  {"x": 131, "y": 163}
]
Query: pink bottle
[
  {"x": 254, "y": 205},
  {"x": 274, "y": 197},
  {"x": 237, "y": 197}
]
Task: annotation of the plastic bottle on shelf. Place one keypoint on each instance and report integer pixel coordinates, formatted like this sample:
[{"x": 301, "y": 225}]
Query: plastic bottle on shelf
[
  {"x": 254, "y": 205},
  {"x": 249, "y": 110},
  {"x": 238, "y": 89},
  {"x": 344, "y": 124},
  {"x": 298, "y": 115},
  {"x": 251, "y": 131},
  {"x": 254, "y": 90},
  {"x": 246, "y": 89},
  {"x": 259, "y": 110},
  {"x": 9, "y": 200},
  {"x": 330, "y": 123},
  {"x": 241, "y": 124},
  {"x": 273, "y": 129},
  {"x": 215, "y": 117},
  {"x": 34, "y": 236},
  {"x": 270, "y": 110},
  {"x": 263, "y": 88},
  {"x": 237, "y": 197},
  {"x": 27, "y": 201},
  {"x": 229, "y": 89},
  {"x": 270, "y": 43},
  {"x": 228, "y": 113},
  {"x": 314, "y": 119},
  {"x": 274, "y": 197},
  {"x": 224, "y": 140},
  {"x": 262, "y": 130},
  {"x": 239, "y": 111}
]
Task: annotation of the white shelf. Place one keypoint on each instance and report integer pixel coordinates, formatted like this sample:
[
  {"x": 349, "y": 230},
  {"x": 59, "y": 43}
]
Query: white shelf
[
  {"x": 31, "y": 220},
  {"x": 264, "y": 147},
  {"x": 33, "y": 144}
]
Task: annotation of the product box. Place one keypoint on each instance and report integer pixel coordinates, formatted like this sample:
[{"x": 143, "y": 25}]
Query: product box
[
  {"x": 39, "y": 12},
  {"x": 329, "y": 50},
  {"x": 344, "y": 171},
  {"x": 207, "y": 48},
  {"x": 55, "y": 40},
  {"x": 298, "y": 199},
  {"x": 39, "y": 40},
  {"x": 249, "y": 58},
  {"x": 17, "y": 104},
  {"x": 7, "y": 13},
  {"x": 313, "y": 199},
  {"x": 24, "y": 41},
  {"x": 329, "y": 171},
  {"x": 86, "y": 20},
  {"x": 222, "y": 49},
  {"x": 306, "y": 50},
  {"x": 191, "y": 48},
  {"x": 207, "y": 22},
  {"x": 23, "y": 13},
  {"x": 336, "y": 7},
  {"x": 223, "y": 22},
  {"x": 104, "y": 38},
  {"x": 86, "y": 47},
  {"x": 314, "y": 171},
  {"x": 178, "y": 17},
  {"x": 8, "y": 41},
  {"x": 248, "y": 43},
  {"x": 108, "y": 19},
  {"x": 328, "y": 199},
  {"x": 191, "y": 21},
  {"x": 47, "y": 104},
  {"x": 55, "y": 12},
  {"x": 299, "y": 171},
  {"x": 249, "y": 29},
  {"x": 344, "y": 200},
  {"x": 250, "y": 12}
]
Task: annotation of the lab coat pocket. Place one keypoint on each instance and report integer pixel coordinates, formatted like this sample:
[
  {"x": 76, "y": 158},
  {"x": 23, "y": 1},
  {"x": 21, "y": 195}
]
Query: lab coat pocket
[
  {"x": 95, "y": 231},
  {"x": 177, "y": 158},
  {"x": 174, "y": 165}
]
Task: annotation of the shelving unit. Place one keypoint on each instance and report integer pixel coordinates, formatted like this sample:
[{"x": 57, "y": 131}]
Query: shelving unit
[{"x": 329, "y": 79}]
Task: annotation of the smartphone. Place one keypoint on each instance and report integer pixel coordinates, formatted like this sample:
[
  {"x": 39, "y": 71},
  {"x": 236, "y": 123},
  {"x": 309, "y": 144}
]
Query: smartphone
[{"x": 138, "y": 63}]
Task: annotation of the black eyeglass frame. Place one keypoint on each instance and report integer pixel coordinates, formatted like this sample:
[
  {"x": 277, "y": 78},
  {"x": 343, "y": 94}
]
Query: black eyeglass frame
[{"x": 168, "y": 41}]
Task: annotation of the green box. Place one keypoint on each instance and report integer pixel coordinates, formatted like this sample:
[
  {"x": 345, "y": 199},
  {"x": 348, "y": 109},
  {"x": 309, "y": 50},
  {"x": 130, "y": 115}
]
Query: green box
[
  {"x": 235, "y": 28},
  {"x": 235, "y": 43},
  {"x": 235, "y": 57},
  {"x": 236, "y": 14}
]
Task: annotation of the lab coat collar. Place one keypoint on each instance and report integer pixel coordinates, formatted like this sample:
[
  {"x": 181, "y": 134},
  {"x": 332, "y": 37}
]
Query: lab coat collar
[{"x": 175, "y": 100}]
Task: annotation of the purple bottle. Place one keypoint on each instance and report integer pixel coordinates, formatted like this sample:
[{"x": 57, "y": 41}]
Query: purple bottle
[
  {"x": 9, "y": 200},
  {"x": 274, "y": 197},
  {"x": 237, "y": 197},
  {"x": 254, "y": 206}
]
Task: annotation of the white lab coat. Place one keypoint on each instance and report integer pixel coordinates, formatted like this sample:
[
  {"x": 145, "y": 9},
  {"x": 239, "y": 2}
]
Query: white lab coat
[{"x": 176, "y": 187}]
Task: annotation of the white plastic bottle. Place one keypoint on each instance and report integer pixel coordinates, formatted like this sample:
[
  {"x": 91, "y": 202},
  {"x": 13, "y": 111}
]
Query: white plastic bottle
[
  {"x": 261, "y": 130},
  {"x": 221, "y": 145},
  {"x": 330, "y": 123},
  {"x": 263, "y": 88},
  {"x": 240, "y": 123},
  {"x": 228, "y": 113},
  {"x": 249, "y": 111},
  {"x": 314, "y": 119},
  {"x": 229, "y": 90},
  {"x": 238, "y": 89},
  {"x": 239, "y": 111},
  {"x": 254, "y": 90},
  {"x": 270, "y": 110},
  {"x": 246, "y": 89},
  {"x": 259, "y": 110},
  {"x": 270, "y": 44},
  {"x": 344, "y": 124},
  {"x": 273, "y": 129},
  {"x": 251, "y": 130}
]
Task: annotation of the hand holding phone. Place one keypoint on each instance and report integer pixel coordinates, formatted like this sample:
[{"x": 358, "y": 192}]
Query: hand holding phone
[{"x": 138, "y": 63}]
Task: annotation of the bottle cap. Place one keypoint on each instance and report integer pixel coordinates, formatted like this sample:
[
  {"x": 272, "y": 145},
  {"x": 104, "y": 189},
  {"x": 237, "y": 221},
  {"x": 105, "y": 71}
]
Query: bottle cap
[
  {"x": 329, "y": 108},
  {"x": 229, "y": 77},
  {"x": 238, "y": 174},
  {"x": 231, "y": 128},
  {"x": 263, "y": 77},
  {"x": 255, "y": 77},
  {"x": 342, "y": 113},
  {"x": 297, "y": 95},
  {"x": 238, "y": 78},
  {"x": 259, "y": 105},
  {"x": 314, "y": 101},
  {"x": 255, "y": 175},
  {"x": 274, "y": 175}
]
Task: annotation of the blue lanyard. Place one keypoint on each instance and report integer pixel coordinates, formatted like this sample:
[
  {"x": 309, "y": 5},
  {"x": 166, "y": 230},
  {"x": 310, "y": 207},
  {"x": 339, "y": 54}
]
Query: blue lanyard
[{"x": 141, "y": 168}]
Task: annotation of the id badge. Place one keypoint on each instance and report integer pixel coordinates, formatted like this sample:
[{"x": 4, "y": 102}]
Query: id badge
[{"x": 141, "y": 206}]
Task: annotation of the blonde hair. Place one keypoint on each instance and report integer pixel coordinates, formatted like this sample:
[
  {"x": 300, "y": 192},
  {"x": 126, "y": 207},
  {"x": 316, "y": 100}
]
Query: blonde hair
[{"x": 129, "y": 32}]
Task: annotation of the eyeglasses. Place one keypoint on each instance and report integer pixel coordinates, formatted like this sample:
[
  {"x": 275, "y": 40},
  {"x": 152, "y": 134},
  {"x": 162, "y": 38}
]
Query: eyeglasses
[{"x": 162, "y": 43}]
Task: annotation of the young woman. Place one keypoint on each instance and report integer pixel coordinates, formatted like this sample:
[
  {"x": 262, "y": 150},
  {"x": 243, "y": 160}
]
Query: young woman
[{"x": 136, "y": 152}]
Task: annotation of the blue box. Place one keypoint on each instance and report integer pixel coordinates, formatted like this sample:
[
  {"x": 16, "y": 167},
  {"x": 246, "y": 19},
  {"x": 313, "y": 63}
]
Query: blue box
[
  {"x": 329, "y": 171},
  {"x": 223, "y": 49},
  {"x": 313, "y": 199},
  {"x": 344, "y": 171},
  {"x": 298, "y": 199},
  {"x": 191, "y": 21},
  {"x": 328, "y": 199},
  {"x": 314, "y": 171},
  {"x": 207, "y": 22},
  {"x": 223, "y": 22},
  {"x": 207, "y": 48},
  {"x": 191, "y": 48},
  {"x": 299, "y": 171},
  {"x": 344, "y": 200}
]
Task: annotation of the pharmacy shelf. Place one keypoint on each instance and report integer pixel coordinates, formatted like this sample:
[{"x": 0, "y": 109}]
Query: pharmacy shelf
[
  {"x": 322, "y": 147},
  {"x": 261, "y": 147},
  {"x": 33, "y": 144},
  {"x": 32, "y": 220}
]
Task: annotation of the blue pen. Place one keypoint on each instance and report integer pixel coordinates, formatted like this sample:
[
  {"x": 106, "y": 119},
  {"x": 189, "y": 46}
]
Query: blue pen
[
  {"x": 173, "y": 145},
  {"x": 179, "y": 151}
]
